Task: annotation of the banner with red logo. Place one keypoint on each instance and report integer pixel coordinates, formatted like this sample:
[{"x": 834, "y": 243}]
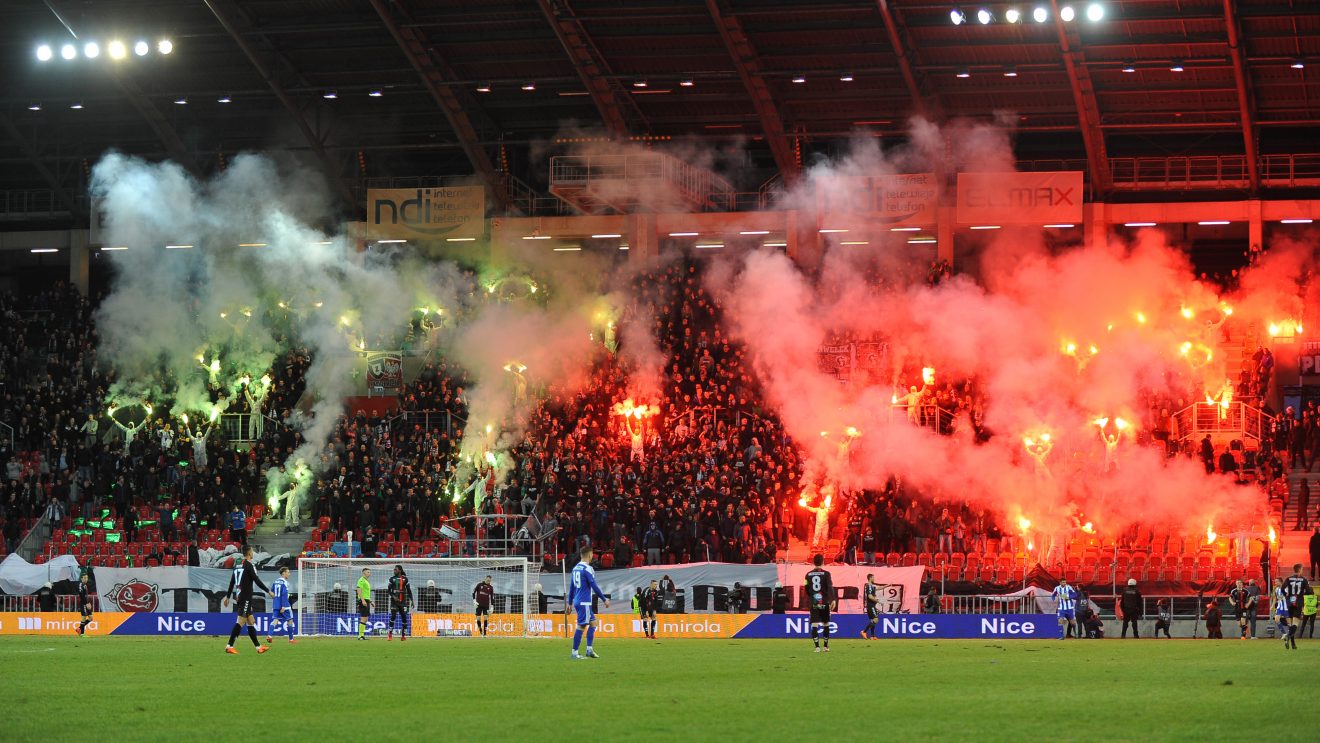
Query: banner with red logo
[
  {"x": 384, "y": 371},
  {"x": 1020, "y": 198}
]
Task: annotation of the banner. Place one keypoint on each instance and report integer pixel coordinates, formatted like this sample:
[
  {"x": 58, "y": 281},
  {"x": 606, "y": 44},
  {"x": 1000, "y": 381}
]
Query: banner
[
  {"x": 426, "y": 213},
  {"x": 1020, "y": 198},
  {"x": 384, "y": 370},
  {"x": 836, "y": 360},
  {"x": 614, "y": 626},
  {"x": 911, "y": 626},
  {"x": 872, "y": 355},
  {"x": 888, "y": 200}
]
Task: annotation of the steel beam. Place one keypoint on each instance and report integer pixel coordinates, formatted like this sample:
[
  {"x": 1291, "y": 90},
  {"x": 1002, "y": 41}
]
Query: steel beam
[
  {"x": 613, "y": 102},
  {"x": 896, "y": 34},
  {"x": 1088, "y": 110},
  {"x": 435, "y": 74},
  {"x": 1246, "y": 102},
  {"x": 33, "y": 156},
  {"x": 237, "y": 24},
  {"x": 748, "y": 65}
]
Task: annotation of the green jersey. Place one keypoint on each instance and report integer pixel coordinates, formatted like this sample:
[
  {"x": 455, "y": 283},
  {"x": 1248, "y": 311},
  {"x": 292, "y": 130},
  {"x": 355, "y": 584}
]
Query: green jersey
[{"x": 364, "y": 589}]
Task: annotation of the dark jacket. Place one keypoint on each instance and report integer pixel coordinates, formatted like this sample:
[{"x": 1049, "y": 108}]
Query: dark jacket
[{"x": 1131, "y": 603}]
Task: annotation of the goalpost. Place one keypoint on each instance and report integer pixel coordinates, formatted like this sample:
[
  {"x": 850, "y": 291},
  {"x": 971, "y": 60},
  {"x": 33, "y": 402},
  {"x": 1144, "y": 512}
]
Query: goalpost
[{"x": 442, "y": 595}]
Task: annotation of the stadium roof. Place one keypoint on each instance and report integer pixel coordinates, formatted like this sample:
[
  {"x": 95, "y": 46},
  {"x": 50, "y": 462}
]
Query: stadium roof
[{"x": 713, "y": 69}]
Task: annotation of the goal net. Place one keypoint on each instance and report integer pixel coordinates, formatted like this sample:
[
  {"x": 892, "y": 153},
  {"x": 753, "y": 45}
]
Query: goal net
[{"x": 442, "y": 596}]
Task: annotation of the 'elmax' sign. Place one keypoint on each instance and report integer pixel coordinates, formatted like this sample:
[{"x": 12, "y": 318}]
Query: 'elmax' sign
[{"x": 1020, "y": 198}]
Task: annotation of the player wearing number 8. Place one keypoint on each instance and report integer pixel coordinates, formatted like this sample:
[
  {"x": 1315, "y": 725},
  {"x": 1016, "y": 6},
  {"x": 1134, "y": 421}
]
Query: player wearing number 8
[{"x": 820, "y": 599}]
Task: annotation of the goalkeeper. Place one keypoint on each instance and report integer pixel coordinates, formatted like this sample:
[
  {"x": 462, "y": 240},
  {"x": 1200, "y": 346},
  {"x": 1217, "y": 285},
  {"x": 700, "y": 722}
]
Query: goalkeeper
[{"x": 401, "y": 598}]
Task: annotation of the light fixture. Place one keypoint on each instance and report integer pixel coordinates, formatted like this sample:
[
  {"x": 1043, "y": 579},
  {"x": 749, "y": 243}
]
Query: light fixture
[
  {"x": 114, "y": 247},
  {"x": 393, "y": 241},
  {"x": 984, "y": 17},
  {"x": 905, "y": 229},
  {"x": 44, "y": 53},
  {"x": 376, "y": 93},
  {"x": 68, "y": 51},
  {"x": 44, "y": 250},
  {"x": 483, "y": 88},
  {"x": 182, "y": 101},
  {"x": 623, "y": 247},
  {"x": 224, "y": 99},
  {"x": 178, "y": 247},
  {"x": 1296, "y": 220},
  {"x": 1138, "y": 224},
  {"x": 529, "y": 86},
  {"x": 754, "y": 232},
  {"x": 1066, "y": 14},
  {"x": 708, "y": 246},
  {"x": 957, "y": 17},
  {"x": 1095, "y": 12},
  {"x": 846, "y": 77},
  {"x": 117, "y": 50},
  {"x": 1040, "y": 14},
  {"x": 686, "y": 83},
  {"x": 77, "y": 106},
  {"x": 34, "y": 107},
  {"x": 165, "y": 46},
  {"x": 774, "y": 245},
  {"x": 1129, "y": 67},
  {"x": 1177, "y": 66},
  {"x": 1063, "y": 226},
  {"x": 605, "y": 235},
  {"x": 831, "y": 231},
  {"x": 460, "y": 239},
  {"x": 639, "y": 83},
  {"x": 568, "y": 249},
  {"x": 252, "y": 245},
  {"x": 536, "y": 237},
  {"x": 1213, "y": 222},
  {"x": 684, "y": 234},
  {"x": 799, "y": 79},
  {"x": 964, "y": 72},
  {"x": 330, "y": 95},
  {"x": 1012, "y": 15},
  {"x": 1010, "y": 72},
  {"x": 141, "y": 48},
  {"x": 91, "y": 50},
  {"x": 922, "y": 241},
  {"x": 855, "y": 242},
  {"x": 984, "y": 227},
  {"x": 1298, "y": 64}
]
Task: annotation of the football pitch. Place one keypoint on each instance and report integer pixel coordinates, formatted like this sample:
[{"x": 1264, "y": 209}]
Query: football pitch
[{"x": 70, "y": 688}]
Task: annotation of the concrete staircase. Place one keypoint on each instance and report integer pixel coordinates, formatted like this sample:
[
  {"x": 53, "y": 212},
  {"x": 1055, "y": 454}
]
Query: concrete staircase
[
  {"x": 269, "y": 537},
  {"x": 1294, "y": 544}
]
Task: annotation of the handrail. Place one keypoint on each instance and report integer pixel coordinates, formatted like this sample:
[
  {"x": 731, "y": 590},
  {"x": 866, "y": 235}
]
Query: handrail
[{"x": 1201, "y": 418}]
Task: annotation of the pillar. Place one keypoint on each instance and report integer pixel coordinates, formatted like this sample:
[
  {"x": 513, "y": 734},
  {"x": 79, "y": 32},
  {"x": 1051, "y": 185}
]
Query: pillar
[
  {"x": 80, "y": 264},
  {"x": 1095, "y": 223},
  {"x": 1255, "y": 225},
  {"x": 643, "y": 239},
  {"x": 945, "y": 220}
]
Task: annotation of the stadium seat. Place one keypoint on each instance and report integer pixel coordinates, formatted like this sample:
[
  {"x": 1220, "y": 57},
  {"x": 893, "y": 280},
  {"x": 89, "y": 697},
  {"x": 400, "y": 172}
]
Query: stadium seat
[
  {"x": 607, "y": 560},
  {"x": 909, "y": 559},
  {"x": 893, "y": 559}
]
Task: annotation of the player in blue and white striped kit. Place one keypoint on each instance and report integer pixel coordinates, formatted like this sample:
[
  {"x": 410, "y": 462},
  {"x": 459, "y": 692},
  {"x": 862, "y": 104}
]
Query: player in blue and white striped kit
[
  {"x": 1065, "y": 596},
  {"x": 283, "y": 611},
  {"x": 582, "y": 588}
]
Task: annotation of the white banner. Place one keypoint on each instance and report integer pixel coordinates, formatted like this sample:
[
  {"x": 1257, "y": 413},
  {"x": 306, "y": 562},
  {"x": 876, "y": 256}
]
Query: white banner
[
  {"x": 1020, "y": 198},
  {"x": 886, "y": 200}
]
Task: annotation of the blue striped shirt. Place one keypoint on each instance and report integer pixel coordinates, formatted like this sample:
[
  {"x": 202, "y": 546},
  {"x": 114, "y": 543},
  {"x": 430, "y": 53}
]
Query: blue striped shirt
[{"x": 1066, "y": 597}]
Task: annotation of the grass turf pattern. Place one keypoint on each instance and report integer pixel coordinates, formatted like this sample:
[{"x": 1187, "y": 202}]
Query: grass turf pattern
[{"x": 87, "y": 689}]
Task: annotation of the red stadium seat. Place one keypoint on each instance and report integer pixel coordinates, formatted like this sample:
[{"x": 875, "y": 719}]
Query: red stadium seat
[
  {"x": 893, "y": 559},
  {"x": 607, "y": 560},
  {"x": 909, "y": 559}
]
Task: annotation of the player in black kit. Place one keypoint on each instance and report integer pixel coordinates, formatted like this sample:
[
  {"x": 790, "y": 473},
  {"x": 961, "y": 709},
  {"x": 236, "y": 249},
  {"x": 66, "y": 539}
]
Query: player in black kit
[
  {"x": 482, "y": 597},
  {"x": 240, "y": 588},
  {"x": 650, "y": 603},
  {"x": 870, "y": 602},
  {"x": 1293, "y": 592},
  {"x": 85, "y": 597},
  {"x": 401, "y": 597},
  {"x": 820, "y": 599}
]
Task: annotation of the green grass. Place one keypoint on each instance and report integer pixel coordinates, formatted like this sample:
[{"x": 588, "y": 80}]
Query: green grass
[{"x": 69, "y": 688}]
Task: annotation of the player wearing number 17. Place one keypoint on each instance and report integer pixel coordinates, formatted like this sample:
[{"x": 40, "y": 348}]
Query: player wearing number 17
[{"x": 581, "y": 592}]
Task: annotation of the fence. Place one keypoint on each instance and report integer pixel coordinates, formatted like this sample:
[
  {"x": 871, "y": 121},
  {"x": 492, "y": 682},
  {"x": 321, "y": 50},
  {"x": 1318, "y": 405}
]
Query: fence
[
  {"x": 33, "y": 603},
  {"x": 986, "y": 604},
  {"x": 428, "y": 419},
  {"x": 1201, "y": 418}
]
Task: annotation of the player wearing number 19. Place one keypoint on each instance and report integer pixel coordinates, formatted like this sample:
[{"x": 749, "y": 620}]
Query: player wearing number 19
[{"x": 581, "y": 592}]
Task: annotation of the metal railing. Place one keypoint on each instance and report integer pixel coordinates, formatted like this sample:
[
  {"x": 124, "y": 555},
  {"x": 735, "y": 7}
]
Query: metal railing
[
  {"x": 32, "y": 603},
  {"x": 933, "y": 417},
  {"x": 35, "y": 539},
  {"x": 428, "y": 419},
  {"x": 698, "y": 186},
  {"x": 985, "y": 604},
  {"x": 237, "y": 427},
  {"x": 27, "y": 203},
  {"x": 1201, "y": 418},
  {"x": 10, "y": 431},
  {"x": 1213, "y": 171}
]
